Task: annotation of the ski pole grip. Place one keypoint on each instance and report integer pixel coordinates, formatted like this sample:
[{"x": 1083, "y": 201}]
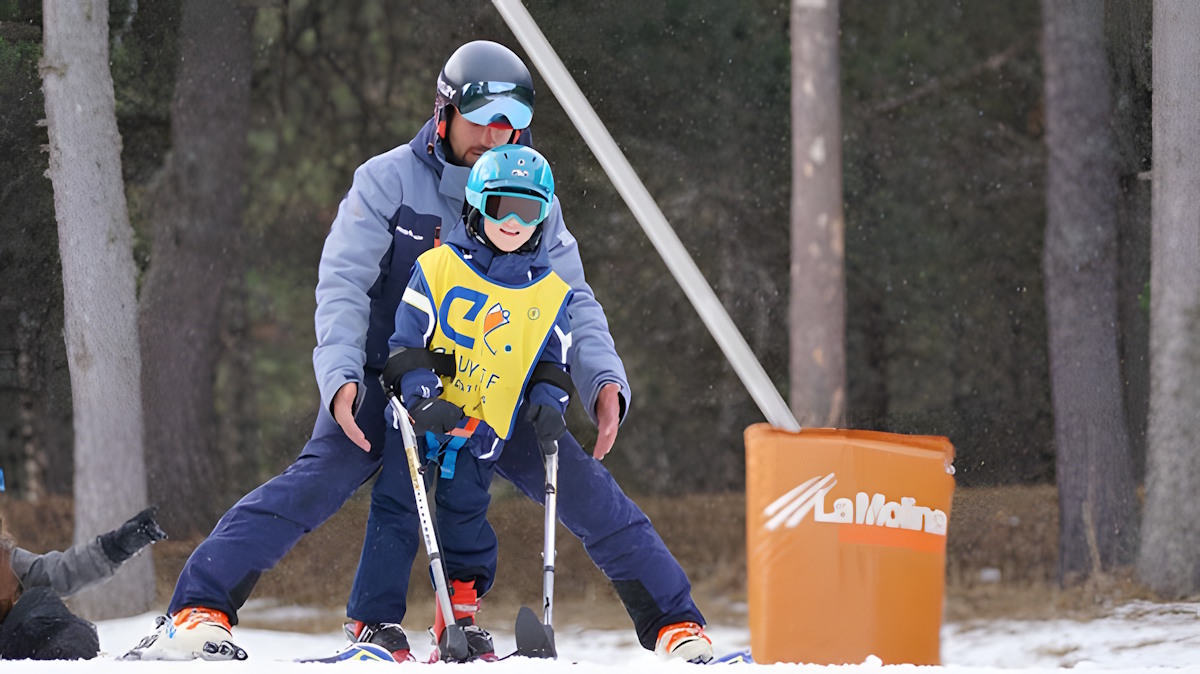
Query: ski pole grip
[{"x": 549, "y": 447}]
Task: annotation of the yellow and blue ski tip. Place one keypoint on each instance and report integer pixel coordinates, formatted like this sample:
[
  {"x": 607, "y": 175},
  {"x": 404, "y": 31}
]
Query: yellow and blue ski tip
[
  {"x": 356, "y": 651},
  {"x": 736, "y": 657}
]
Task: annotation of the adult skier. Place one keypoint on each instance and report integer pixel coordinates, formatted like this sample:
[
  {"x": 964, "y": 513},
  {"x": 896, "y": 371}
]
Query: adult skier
[{"x": 401, "y": 204}]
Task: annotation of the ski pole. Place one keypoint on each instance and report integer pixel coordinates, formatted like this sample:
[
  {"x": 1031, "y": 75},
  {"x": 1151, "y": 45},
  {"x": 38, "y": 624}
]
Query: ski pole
[
  {"x": 550, "y": 451},
  {"x": 536, "y": 639},
  {"x": 455, "y": 638}
]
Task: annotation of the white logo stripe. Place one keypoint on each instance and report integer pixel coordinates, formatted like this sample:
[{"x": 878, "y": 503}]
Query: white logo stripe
[
  {"x": 778, "y": 503},
  {"x": 810, "y": 501},
  {"x": 794, "y": 505}
]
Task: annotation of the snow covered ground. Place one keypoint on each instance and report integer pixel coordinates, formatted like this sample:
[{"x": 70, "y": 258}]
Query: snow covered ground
[{"x": 1135, "y": 637}]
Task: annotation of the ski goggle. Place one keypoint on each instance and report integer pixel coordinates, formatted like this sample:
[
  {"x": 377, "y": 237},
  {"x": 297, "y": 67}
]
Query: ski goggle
[
  {"x": 486, "y": 103},
  {"x": 528, "y": 210}
]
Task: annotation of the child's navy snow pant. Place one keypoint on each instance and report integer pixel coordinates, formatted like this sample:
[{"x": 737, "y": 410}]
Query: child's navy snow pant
[
  {"x": 466, "y": 538},
  {"x": 261, "y": 528}
]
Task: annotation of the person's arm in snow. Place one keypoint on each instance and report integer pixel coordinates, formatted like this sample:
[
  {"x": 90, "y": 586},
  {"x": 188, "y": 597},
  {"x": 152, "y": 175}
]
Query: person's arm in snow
[
  {"x": 87, "y": 564},
  {"x": 595, "y": 367},
  {"x": 350, "y": 265},
  {"x": 68, "y": 572}
]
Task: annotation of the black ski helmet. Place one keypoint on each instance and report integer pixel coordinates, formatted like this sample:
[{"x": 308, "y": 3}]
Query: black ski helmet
[{"x": 488, "y": 84}]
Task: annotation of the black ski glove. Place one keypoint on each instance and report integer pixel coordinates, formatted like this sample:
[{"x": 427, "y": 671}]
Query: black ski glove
[
  {"x": 435, "y": 414},
  {"x": 123, "y": 542},
  {"x": 548, "y": 425}
]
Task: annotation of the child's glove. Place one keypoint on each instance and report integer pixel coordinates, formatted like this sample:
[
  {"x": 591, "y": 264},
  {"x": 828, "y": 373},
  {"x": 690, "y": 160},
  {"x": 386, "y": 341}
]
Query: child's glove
[
  {"x": 548, "y": 424},
  {"x": 123, "y": 542},
  {"x": 436, "y": 415}
]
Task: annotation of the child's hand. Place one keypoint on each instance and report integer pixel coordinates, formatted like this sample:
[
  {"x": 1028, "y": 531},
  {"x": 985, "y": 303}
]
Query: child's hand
[
  {"x": 435, "y": 415},
  {"x": 548, "y": 424}
]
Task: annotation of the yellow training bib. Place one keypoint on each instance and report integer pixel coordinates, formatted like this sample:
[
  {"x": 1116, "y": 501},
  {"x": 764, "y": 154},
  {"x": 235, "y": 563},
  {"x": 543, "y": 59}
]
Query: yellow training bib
[{"x": 496, "y": 333}]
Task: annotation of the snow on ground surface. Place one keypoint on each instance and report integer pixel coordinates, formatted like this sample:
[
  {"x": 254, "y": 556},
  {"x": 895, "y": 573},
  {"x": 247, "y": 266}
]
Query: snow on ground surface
[{"x": 1135, "y": 637}]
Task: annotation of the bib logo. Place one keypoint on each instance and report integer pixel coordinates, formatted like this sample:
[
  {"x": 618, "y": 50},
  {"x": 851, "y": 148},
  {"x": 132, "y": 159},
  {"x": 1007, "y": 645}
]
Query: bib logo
[
  {"x": 470, "y": 373},
  {"x": 869, "y": 519},
  {"x": 496, "y": 317},
  {"x": 475, "y": 301}
]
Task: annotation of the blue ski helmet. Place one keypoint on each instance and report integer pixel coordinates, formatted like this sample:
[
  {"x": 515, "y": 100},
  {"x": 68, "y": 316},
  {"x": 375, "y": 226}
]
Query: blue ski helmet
[
  {"x": 515, "y": 171},
  {"x": 488, "y": 84},
  {"x": 510, "y": 181}
]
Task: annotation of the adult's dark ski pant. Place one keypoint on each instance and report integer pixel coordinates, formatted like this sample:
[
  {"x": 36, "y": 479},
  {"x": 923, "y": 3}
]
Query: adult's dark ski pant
[{"x": 267, "y": 523}]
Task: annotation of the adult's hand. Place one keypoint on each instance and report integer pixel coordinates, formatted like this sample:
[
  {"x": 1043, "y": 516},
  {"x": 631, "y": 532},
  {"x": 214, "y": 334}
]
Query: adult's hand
[
  {"x": 343, "y": 414},
  {"x": 608, "y": 418}
]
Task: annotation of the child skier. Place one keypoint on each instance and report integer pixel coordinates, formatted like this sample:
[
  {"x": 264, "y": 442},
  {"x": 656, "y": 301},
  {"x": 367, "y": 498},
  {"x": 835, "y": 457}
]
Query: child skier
[{"x": 481, "y": 336}]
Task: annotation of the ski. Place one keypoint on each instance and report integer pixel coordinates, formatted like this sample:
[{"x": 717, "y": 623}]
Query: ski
[
  {"x": 355, "y": 651},
  {"x": 350, "y": 652},
  {"x": 736, "y": 657}
]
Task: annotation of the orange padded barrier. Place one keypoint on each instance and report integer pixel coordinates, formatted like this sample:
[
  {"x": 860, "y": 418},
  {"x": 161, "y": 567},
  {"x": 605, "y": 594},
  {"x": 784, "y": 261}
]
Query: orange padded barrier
[{"x": 846, "y": 544}]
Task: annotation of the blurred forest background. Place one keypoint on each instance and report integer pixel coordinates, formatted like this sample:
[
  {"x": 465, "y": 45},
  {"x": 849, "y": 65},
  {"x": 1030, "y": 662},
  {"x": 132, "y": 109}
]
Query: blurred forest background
[{"x": 945, "y": 211}]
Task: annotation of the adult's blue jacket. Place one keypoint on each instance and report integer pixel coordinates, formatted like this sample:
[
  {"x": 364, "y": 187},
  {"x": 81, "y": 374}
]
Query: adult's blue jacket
[{"x": 391, "y": 215}]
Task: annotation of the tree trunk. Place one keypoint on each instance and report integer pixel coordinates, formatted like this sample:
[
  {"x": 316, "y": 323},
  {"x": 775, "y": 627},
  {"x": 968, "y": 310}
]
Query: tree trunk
[
  {"x": 99, "y": 294},
  {"x": 196, "y": 219},
  {"x": 1098, "y": 520},
  {"x": 818, "y": 281},
  {"x": 1170, "y": 555},
  {"x": 1129, "y": 44}
]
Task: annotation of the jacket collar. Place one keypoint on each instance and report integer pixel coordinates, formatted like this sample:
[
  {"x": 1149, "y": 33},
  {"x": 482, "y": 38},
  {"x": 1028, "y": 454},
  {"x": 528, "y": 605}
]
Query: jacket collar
[
  {"x": 507, "y": 268},
  {"x": 428, "y": 148}
]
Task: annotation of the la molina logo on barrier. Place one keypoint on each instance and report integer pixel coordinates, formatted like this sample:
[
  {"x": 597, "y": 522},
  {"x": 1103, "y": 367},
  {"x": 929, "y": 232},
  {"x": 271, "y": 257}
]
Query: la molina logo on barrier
[{"x": 866, "y": 519}]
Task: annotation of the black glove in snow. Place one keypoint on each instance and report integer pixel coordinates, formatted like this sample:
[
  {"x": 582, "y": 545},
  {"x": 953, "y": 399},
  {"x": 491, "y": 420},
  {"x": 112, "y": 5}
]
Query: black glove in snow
[
  {"x": 437, "y": 415},
  {"x": 123, "y": 542},
  {"x": 548, "y": 425}
]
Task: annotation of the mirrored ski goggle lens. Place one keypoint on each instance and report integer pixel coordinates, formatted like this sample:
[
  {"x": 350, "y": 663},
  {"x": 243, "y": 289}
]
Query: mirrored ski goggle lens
[
  {"x": 528, "y": 211},
  {"x": 485, "y": 103}
]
